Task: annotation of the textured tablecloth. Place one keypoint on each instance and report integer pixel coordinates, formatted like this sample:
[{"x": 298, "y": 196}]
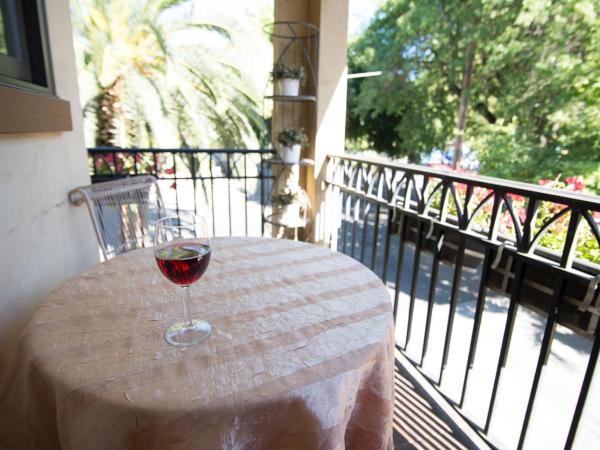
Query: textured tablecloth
[{"x": 301, "y": 357}]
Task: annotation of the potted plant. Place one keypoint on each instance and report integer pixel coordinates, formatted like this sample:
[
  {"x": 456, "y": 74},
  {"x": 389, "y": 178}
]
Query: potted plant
[
  {"x": 288, "y": 79},
  {"x": 288, "y": 205},
  {"x": 292, "y": 141}
]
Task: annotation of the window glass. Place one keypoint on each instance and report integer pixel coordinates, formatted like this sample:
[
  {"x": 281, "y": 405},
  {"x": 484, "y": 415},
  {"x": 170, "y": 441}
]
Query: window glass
[
  {"x": 3, "y": 44},
  {"x": 23, "y": 48}
]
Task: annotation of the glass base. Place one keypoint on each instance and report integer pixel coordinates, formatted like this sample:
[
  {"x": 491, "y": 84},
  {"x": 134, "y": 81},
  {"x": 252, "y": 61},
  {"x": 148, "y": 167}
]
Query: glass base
[{"x": 183, "y": 334}]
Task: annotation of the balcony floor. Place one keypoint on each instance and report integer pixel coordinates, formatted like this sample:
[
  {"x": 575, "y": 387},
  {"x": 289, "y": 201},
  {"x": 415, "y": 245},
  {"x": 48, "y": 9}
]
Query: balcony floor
[{"x": 418, "y": 422}]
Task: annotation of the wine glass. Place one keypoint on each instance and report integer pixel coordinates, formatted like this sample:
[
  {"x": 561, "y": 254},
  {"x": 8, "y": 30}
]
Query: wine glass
[{"x": 182, "y": 253}]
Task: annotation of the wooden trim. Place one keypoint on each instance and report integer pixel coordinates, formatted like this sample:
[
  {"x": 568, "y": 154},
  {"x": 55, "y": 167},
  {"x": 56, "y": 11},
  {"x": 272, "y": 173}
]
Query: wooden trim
[{"x": 28, "y": 112}]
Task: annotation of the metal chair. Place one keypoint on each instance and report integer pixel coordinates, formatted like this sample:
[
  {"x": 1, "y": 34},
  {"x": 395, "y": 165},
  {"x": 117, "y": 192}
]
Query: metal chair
[{"x": 123, "y": 212}]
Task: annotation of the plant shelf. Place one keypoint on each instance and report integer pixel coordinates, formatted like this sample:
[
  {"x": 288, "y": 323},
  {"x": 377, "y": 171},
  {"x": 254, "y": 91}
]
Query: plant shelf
[
  {"x": 275, "y": 219},
  {"x": 292, "y": 98}
]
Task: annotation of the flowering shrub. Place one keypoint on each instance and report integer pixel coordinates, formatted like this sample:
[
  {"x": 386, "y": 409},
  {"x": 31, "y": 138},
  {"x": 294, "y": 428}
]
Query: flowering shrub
[
  {"x": 554, "y": 239},
  {"x": 124, "y": 163},
  {"x": 587, "y": 246}
]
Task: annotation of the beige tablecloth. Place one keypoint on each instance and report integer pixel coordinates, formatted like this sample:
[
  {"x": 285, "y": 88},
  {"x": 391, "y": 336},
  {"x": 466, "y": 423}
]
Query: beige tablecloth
[{"x": 301, "y": 357}]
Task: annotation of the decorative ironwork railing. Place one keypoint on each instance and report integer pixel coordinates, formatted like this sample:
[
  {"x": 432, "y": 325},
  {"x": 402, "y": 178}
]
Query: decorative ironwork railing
[
  {"x": 229, "y": 186},
  {"x": 489, "y": 248}
]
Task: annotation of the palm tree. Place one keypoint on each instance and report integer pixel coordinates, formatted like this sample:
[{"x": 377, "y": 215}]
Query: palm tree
[{"x": 149, "y": 81}]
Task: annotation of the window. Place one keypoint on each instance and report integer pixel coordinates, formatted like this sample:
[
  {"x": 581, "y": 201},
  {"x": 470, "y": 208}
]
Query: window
[
  {"x": 28, "y": 101},
  {"x": 24, "y": 55}
]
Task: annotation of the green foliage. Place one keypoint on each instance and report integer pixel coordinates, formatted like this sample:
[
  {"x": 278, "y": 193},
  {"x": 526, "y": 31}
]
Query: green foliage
[
  {"x": 152, "y": 76},
  {"x": 290, "y": 136},
  {"x": 286, "y": 196},
  {"x": 281, "y": 70},
  {"x": 534, "y": 101}
]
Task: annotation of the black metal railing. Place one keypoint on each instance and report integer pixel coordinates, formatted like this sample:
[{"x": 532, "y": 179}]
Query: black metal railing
[
  {"x": 459, "y": 250},
  {"x": 229, "y": 186}
]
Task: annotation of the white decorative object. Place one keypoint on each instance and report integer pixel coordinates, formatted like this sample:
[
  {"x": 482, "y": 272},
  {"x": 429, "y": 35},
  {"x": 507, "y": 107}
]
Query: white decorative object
[
  {"x": 291, "y": 154},
  {"x": 290, "y": 213},
  {"x": 289, "y": 87}
]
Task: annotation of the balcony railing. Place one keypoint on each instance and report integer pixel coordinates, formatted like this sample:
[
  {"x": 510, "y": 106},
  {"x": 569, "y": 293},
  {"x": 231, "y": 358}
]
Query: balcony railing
[
  {"x": 495, "y": 291},
  {"x": 229, "y": 186},
  {"x": 494, "y": 282}
]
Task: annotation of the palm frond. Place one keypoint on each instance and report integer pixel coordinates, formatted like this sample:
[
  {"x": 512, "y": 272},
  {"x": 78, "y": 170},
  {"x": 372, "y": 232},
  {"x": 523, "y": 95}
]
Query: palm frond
[
  {"x": 221, "y": 30},
  {"x": 205, "y": 86},
  {"x": 160, "y": 38}
]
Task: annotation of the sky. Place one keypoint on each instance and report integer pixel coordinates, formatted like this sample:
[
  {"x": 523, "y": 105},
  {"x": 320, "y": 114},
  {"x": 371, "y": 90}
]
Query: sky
[{"x": 360, "y": 14}]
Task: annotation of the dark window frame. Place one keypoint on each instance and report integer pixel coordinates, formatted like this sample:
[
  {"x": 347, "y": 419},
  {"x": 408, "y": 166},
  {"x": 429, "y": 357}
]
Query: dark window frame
[
  {"x": 29, "y": 104},
  {"x": 31, "y": 68}
]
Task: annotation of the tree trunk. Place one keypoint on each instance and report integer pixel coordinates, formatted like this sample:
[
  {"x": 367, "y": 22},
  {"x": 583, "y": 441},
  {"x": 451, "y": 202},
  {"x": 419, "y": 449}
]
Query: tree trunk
[
  {"x": 108, "y": 108},
  {"x": 463, "y": 106}
]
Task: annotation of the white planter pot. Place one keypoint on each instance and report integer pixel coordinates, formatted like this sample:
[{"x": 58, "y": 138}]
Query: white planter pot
[
  {"x": 289, "y": 87},
  {"x": 291, "y": 155},
  {"x": 290, "y": 213}
]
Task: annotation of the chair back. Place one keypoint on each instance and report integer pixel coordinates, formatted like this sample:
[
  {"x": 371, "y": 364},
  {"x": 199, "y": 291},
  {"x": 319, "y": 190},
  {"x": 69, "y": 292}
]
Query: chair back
[{"x": 123, "y": 212}]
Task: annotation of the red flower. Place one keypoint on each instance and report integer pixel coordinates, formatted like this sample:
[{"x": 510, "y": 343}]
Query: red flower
[
  {"x": 174, "y": 185},
  {"x": 575, "y": 183},
  {"x": 516, "y": 197},
  {"x": 461, "y": 188},
  {"x": 170, "y": 171}
]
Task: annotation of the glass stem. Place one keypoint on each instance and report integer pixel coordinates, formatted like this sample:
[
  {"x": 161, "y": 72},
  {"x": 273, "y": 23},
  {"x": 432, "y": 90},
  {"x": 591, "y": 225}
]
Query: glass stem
[{"x": 187, "y": 316}]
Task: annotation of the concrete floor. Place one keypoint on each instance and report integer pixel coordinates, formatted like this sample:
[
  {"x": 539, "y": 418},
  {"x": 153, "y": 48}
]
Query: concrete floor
[{"x": 418, "y": 422}]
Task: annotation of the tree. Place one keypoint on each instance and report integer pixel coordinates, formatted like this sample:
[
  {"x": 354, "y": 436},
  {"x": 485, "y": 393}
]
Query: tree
[
  {"x": 150, "y": 80},
  {"x": 512, "y": 80}
]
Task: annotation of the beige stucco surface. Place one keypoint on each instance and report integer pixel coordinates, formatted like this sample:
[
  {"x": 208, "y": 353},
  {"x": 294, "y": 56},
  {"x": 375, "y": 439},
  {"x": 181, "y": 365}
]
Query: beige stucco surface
[{"x": 43, "y": 239}]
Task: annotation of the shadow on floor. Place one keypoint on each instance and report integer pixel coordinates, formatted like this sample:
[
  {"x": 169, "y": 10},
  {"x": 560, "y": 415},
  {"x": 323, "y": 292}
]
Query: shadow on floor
[{"x": 418, "y": 423}]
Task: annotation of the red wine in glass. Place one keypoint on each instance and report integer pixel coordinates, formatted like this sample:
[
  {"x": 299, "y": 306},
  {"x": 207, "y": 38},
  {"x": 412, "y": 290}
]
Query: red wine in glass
[
  {"x": 182, "y": 252},
  {"x": 183, "y": 263}
]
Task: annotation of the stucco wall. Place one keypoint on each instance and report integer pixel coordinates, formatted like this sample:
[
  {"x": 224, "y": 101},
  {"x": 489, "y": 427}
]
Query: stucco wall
[{"x": 43, "y": 240}]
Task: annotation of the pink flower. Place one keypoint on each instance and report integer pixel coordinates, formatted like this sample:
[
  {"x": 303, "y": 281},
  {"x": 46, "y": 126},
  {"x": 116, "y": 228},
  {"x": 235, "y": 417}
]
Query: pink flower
[
  {"x": 479, "y": 193},
  {"x": 596, "y": 216},
  {"x": 522, "y": 214},
  {"x": 575, "y": 183},
  {"x": 440, "y": 166},
  {"x": 507, "y": 220},
  {"x": 547, "y": 183},
  {"x": 461, "y": 188}
]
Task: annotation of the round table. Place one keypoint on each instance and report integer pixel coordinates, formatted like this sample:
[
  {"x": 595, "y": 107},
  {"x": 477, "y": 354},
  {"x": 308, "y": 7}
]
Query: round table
[{"x": 301, "y": 357}]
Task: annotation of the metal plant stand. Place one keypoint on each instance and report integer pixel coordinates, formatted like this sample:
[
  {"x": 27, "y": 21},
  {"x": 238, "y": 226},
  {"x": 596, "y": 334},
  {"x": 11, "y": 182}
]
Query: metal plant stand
[{"x": 296, "y": 44}]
